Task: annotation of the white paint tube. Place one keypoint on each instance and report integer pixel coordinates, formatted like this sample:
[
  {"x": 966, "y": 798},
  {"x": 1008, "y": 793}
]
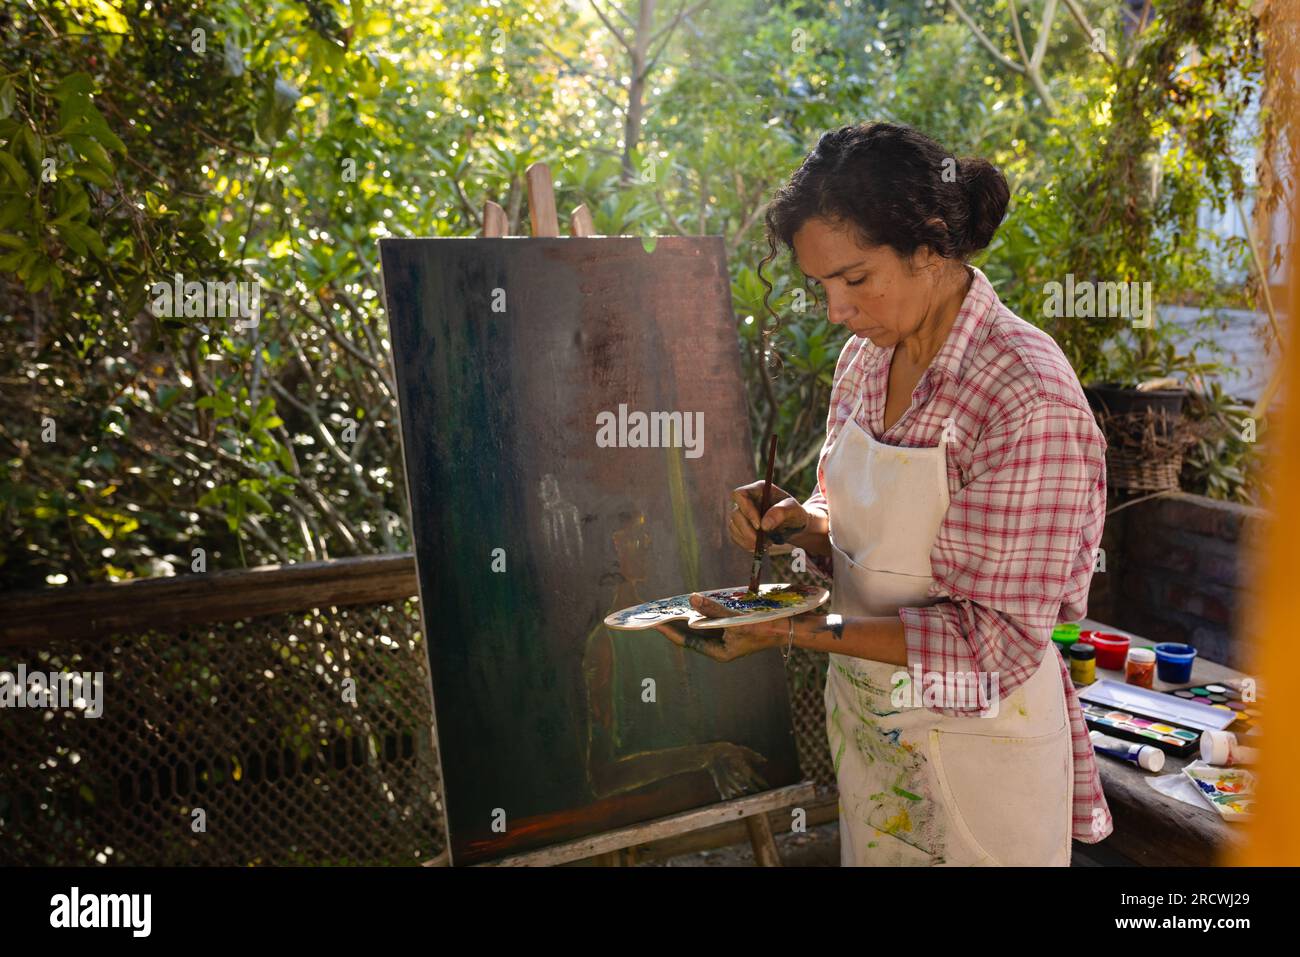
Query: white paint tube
[
  {"x": 1143, "y": 755},
  {"x": 1221, "y": 748}
]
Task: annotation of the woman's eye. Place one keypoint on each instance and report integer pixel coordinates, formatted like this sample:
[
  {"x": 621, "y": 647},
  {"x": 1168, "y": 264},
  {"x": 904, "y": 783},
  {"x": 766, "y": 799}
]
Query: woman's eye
[{"x": 855, "y": 282}]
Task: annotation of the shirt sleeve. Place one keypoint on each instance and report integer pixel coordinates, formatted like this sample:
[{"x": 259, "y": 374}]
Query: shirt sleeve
[
  {"x": 822, "y": 566},
  {"x": 844, "y": 388},
  {"x": 1008, "y": 546}
]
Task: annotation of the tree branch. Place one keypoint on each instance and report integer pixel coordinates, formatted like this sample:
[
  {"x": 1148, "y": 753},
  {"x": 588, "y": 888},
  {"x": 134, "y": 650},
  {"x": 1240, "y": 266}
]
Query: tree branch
[
  {"x": 618, "y": 35},
  {"x": 1002, "y": 58}
]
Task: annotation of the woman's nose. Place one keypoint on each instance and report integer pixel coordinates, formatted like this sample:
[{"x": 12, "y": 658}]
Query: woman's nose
[{"x": 838, "y": 309}]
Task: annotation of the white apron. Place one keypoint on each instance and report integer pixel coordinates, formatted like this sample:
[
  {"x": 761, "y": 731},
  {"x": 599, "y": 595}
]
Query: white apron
[{"x": 916, "y": 787}]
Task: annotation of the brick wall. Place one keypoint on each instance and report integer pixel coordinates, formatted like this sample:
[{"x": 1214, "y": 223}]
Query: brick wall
[{"x": 1174, "y": 572}]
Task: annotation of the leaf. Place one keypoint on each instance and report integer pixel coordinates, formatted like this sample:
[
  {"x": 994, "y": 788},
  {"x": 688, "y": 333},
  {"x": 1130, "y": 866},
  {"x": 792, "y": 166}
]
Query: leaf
[
  {"x": 15, "y": 170},
  {"x": 74, "y": 84},
  {"x": 167, "y": 396},
  {"x": 105, "y": 530},
  {"x": 30, "y": 144},
  {"x": 13, "y": 211},
  {"x": 98, "y": 156},
  {"x": 8, "y": 98},
  {"x": 92, "y": 175},
  {"x": 40, "y": 276},
  {"x": 222, "y": 406},
  {"x": 74, "y": 113},
  {"x": 70, "y": 237}
]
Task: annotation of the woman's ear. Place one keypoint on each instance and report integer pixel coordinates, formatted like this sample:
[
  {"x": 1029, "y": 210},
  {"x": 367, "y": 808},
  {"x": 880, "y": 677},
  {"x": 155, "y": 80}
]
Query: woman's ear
[{"x": 924, "y": 258}]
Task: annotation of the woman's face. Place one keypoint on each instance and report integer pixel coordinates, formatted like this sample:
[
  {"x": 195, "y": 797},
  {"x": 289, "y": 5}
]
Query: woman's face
[{"x": 871, "y": 290}]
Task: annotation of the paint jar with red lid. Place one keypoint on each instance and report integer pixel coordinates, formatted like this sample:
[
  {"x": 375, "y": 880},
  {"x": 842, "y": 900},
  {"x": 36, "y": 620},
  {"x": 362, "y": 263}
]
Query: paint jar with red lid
[{"x": 1112, "y": 649}]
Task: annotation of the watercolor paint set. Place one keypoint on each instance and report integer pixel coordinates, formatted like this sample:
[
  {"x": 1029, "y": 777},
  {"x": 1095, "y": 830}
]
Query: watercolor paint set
[
  {"x": 1170, "y": 738},
  {"x": 1228, "y": 697}
]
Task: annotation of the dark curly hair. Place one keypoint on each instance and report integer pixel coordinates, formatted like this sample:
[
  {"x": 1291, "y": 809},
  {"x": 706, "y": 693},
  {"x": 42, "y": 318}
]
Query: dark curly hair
[{"x": 896, "y": 187}]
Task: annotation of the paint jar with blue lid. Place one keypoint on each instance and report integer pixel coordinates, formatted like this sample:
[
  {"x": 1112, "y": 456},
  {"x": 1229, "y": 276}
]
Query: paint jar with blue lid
[{"x": 1174, "y": 662}]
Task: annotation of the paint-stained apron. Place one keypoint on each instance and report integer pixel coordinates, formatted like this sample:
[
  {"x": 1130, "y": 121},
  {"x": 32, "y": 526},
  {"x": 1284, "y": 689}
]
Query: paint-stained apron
[{"x": 917, "y": 787}]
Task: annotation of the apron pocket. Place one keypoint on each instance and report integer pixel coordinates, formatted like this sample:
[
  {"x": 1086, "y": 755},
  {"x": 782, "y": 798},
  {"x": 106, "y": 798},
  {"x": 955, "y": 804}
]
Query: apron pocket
[
  {"x": 1008, "y": 797},
  {"x": 858, "y": 590}
]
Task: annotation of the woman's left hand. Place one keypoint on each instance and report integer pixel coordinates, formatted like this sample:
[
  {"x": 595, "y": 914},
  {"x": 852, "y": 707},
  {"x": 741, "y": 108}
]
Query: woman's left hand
[{"x": 724, "y": 644}]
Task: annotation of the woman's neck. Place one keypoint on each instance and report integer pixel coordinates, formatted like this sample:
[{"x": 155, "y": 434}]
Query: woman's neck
[{"x": 949, "y": 293}]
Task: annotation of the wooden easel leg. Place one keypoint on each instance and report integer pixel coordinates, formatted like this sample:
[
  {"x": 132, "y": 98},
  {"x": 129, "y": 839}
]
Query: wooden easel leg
[{"x": 760, "y": 836}]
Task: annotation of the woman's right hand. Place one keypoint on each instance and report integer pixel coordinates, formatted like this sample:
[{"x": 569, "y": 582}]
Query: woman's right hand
[{"x": 783, "y": 519}]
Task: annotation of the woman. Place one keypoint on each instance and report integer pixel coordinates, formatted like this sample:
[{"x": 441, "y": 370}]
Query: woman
[{"x": 958, "y": 511}]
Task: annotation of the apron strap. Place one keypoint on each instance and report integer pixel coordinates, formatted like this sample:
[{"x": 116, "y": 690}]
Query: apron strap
[{"x": 853, "y": 416}]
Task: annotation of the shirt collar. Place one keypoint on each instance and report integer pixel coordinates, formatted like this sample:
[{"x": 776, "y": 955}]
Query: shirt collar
[{"x": 967, "y": 332}]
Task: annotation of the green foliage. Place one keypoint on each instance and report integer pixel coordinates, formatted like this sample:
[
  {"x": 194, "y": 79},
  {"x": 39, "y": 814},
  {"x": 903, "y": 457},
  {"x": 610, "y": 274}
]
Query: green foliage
[
  {"x": 223, "y": 142},
  {"x": 1135, "y": 166},
  {"x": 1224, "y": 462},
  {"x": 277, "y": 142}
]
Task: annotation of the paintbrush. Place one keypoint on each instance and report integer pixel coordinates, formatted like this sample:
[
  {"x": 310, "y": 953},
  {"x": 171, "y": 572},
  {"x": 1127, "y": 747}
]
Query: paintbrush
[{"x": 759, "y": 541}]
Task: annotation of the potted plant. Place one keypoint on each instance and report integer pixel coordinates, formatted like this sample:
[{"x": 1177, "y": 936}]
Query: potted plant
[{"x": 1139, "y": 403}]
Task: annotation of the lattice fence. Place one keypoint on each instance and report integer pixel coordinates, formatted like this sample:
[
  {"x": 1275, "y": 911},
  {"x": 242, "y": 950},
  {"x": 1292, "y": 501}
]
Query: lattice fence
[
  {"x": 300, "y": 738},
  {"x": 806, "y": 677}
]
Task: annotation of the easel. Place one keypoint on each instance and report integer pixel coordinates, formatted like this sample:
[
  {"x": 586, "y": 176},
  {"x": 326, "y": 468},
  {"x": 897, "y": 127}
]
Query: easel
[{"x": 617, "y": 848}]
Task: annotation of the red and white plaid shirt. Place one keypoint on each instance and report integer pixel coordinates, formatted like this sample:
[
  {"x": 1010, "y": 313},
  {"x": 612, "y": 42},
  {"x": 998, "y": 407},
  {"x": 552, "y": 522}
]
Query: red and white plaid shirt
[{"x": 1027, "y": 479}]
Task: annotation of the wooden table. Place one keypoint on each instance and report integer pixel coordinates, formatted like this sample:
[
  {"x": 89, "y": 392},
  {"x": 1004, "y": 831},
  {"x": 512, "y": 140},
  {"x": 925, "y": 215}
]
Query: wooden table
[{"x": 1151, "y": 828}]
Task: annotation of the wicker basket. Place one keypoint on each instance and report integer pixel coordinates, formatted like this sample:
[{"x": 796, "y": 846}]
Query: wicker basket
[
  {"x": 1146, "y": 436},
  {"x": 1128, "y": 470}
]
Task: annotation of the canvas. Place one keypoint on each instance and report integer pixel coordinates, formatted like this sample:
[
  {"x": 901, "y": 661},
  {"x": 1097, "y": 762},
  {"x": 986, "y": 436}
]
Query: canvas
[{"x": 573, "y": 421}]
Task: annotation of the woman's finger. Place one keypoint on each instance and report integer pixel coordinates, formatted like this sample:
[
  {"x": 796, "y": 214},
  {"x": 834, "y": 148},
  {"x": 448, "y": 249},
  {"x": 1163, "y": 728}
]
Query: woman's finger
[
  {"x": 713, "y": 609},
  {"x": 679, "y": 634},
  {"x": 787, "y": 515},
  {"x": 708, "y": 646},
  {"x": 674, "y": 630},
  {"x": 742, "y": 533},
  {"x": 746, "y": 505}
]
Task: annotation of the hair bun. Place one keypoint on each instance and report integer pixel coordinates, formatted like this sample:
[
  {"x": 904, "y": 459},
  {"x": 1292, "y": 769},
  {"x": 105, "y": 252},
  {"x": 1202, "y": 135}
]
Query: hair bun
[{"x": 987, "y": 195}]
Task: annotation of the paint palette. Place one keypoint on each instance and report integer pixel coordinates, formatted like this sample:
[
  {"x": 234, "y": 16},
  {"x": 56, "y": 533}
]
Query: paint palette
[
  {"x": 1171, "y": 738},
  {"x": 1226, "y": 696},
  {"x": 772, "y": 602},
  {"x": 1230, "y": 790}
]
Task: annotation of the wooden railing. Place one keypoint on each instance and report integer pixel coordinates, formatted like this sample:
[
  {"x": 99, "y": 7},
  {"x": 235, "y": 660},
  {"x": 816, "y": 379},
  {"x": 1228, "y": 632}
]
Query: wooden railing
[{"x": 167, "y": 603}]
